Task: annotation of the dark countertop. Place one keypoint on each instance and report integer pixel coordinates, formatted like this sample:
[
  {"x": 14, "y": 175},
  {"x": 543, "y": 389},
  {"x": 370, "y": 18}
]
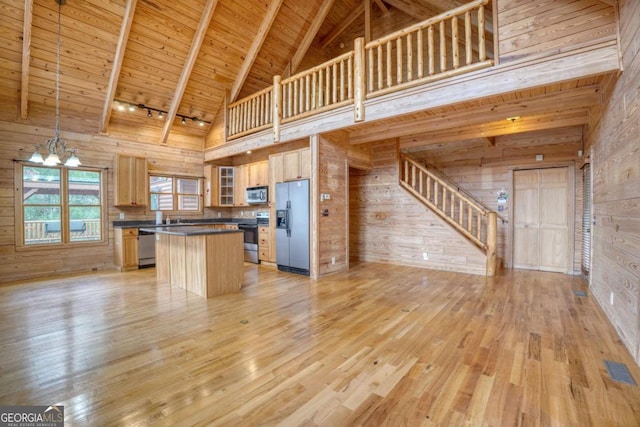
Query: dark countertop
[
  {"x": 186, "y": 222},
  {"x": 186, "y": 230}
]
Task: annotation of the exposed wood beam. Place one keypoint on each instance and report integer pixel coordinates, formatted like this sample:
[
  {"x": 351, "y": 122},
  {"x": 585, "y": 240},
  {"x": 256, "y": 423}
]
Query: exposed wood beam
[
  {"x": 421, "y": 12},
  {"x": 26, "y": 58},
  {"x": 309, "y": 36},
  {"x": 198, "y": 38},
  {"x": 414, "y": 124},
  {"x": 249, "y": 59},
  {"x": 367, "y": 21},
  {"x": 353, "y": 15},
  {"x": 121, "y": 47},
  {"x": 553, "y": 120},
  {"x": 414, "y": 9},
  {"x": 383, "y": 7}
]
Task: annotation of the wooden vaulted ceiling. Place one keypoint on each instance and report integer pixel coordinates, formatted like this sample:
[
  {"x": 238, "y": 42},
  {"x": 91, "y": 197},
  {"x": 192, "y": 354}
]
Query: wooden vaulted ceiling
[
  {"x": 180, "y": 56},
  {"x": 186, "y": 56}
]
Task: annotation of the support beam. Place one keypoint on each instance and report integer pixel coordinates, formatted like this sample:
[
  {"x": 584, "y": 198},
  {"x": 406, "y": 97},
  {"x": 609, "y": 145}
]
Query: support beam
[
  {"x": 121, "y": 47},
  {"x": 26, "y": 58},
  {"x": 351, "y": 18},
  {"x": 553, "y": 120},
  {"x": 249, "y": 59},
  {"x": 188, "y": 67},
  {"x": 309, "y": 36},
  {"x": 383, "y": 7},
  {"x": 367, "y": 21},
  {"x": 552, "y": 101}
]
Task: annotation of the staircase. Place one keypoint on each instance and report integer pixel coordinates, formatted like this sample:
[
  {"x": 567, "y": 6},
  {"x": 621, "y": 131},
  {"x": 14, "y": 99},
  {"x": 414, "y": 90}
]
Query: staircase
[{"x": 471, "y": 219}]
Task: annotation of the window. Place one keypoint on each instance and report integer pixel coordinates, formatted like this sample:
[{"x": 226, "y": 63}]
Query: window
[
  {"x": 172, "y": 193},
  {"x": 59, "y": 205}
]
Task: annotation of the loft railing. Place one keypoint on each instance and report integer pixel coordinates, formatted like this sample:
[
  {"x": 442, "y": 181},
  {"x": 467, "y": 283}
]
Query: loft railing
[
  {"x": 477, "y": 223},
  {"x": 446, "y": 45},
  {"x": 430, "y": 50}
]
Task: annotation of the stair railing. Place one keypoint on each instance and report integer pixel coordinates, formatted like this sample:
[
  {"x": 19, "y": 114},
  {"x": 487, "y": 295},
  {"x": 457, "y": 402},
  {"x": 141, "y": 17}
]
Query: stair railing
[{"x": 474, "y": 221}]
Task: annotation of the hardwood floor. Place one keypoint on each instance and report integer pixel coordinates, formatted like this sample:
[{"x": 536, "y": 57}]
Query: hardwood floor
[{"x": 378, "y": 345}]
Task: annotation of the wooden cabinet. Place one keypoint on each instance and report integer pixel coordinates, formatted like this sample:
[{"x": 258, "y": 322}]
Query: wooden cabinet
[
  {"x": 211, "y": 186},
  {"x": 241, "y": 183},
  {"x": 130, "y": 181},
  {"x": 258, "y": 174},
  {"x": 226, "y": 185},
  {"x": 265, "y": 244},
  {"x": 296, "y": 164},
  {"x": 126, "y": 248}
]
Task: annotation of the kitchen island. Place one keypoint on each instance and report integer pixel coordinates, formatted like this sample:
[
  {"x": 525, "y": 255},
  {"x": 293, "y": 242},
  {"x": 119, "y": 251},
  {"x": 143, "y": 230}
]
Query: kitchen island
[{"x": 205, "y": 261}]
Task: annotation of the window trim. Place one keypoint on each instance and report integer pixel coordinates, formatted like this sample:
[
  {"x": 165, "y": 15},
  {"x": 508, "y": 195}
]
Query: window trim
[
  {"x": 175, "y": 194},
  {"x": 19, "y": 242}
]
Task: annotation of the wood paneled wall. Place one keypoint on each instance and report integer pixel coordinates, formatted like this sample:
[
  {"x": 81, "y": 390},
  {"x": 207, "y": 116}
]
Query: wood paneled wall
[
  {"x": 388, "y": 225},
  {"x": 614, "y": 139},
  {"x": 335, "y": 156},
  {"x": 18, "y": 141},
  {"x": 482, "y": 169},
  {"x": 531, "y": 27}
]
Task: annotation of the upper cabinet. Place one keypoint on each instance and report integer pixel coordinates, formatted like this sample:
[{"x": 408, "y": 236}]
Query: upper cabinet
[
  {"x": 296, "y": 164},
  {"x": 258, "y": 174},
  {"x": 130, "y": 181},
  {"x": 226, "y": 185},
  {"x": 241, "y": 184},
  {"x": 211, "y": 187}
]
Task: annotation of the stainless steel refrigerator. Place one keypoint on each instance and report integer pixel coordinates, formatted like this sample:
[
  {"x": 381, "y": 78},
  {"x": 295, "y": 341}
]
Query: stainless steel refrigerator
[{"x": 292, "y": 226}]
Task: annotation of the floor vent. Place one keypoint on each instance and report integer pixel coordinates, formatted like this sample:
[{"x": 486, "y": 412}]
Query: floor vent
[
  {"x": 580, "y": 293},
  {"x": 619, "y": 372}
]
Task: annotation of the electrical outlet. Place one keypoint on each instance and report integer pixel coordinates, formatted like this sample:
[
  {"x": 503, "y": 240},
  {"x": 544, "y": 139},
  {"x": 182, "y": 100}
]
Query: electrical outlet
[
  {"x": 425, "y": 256},
  {"x": 242, "y": 213},
  {"x": 121, "y": 215},
  {"x": 219, "y": 214},
  {"x": 611, "y": 298},
  {"x": 333, "y": 260}
]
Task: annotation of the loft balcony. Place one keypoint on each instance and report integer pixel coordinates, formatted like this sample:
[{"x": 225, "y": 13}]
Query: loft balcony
[{"x": 454, "y": 58}]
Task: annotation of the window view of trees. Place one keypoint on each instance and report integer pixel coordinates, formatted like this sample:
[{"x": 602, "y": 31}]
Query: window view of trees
[{"x": 52, "y": 195}]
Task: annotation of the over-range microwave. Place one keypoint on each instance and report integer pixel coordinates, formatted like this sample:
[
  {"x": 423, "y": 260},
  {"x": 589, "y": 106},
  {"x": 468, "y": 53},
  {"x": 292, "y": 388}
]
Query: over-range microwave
[{"x": 258, "y": 195}]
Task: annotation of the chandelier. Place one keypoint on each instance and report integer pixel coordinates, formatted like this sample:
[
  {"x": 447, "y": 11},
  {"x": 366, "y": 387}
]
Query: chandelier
[{"x": 56, "y": 146}]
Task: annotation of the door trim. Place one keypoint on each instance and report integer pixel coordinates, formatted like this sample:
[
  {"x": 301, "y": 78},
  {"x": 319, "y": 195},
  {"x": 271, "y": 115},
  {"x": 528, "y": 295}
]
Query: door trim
[{"x": 571, "y": 183}]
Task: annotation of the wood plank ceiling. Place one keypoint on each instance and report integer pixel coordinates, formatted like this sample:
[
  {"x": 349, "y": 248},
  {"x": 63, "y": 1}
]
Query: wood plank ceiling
[{"x": 184, "y": 57}]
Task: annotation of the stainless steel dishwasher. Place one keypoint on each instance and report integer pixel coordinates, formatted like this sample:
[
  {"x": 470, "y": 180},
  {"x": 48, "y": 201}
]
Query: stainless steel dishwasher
[{"x": 146, "y": 249}]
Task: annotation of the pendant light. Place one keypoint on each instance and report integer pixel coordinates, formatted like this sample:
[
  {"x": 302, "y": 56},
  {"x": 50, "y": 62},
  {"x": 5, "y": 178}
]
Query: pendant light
[{"x": 56, "y": 146}]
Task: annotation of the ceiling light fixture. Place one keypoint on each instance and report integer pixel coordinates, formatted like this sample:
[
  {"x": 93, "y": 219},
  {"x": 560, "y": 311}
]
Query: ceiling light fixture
[
  {"x": 513, "y": 119},
  {"x": 124, "y": 105},
  {"x": 56, "y": 145}
]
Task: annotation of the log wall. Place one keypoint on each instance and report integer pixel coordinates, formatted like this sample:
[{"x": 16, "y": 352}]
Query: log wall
[
  {"x": 539, "y": 26},
  {"x": 333, "y": 177},
  {"x": 482, "y": 169},
  {"x": 614, "y": 139},
  {"x": 18, "y": 141},
  {"x": 388, "y": 225}
]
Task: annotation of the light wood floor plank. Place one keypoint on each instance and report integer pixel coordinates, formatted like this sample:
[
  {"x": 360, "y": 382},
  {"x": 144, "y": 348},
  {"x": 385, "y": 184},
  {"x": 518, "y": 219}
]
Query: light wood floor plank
[{"x": 377, "y": 345}]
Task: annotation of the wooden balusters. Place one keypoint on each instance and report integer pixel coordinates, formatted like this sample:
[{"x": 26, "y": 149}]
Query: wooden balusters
[
  {"x": 369, "y": 70},
  {"x": 455, "y": 47}
]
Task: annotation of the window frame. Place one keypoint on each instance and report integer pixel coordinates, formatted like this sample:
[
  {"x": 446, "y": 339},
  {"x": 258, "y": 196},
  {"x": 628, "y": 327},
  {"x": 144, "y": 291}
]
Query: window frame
[
  {"x": 175, "y": 194},
  {"x": 65, "y": 220}
]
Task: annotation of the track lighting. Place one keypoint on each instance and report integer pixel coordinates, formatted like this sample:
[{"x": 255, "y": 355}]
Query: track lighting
[{"x": 124, "y": 105}]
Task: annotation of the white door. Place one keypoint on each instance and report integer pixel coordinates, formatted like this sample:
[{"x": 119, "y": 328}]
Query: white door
[{"x": 541, "y": 219}]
